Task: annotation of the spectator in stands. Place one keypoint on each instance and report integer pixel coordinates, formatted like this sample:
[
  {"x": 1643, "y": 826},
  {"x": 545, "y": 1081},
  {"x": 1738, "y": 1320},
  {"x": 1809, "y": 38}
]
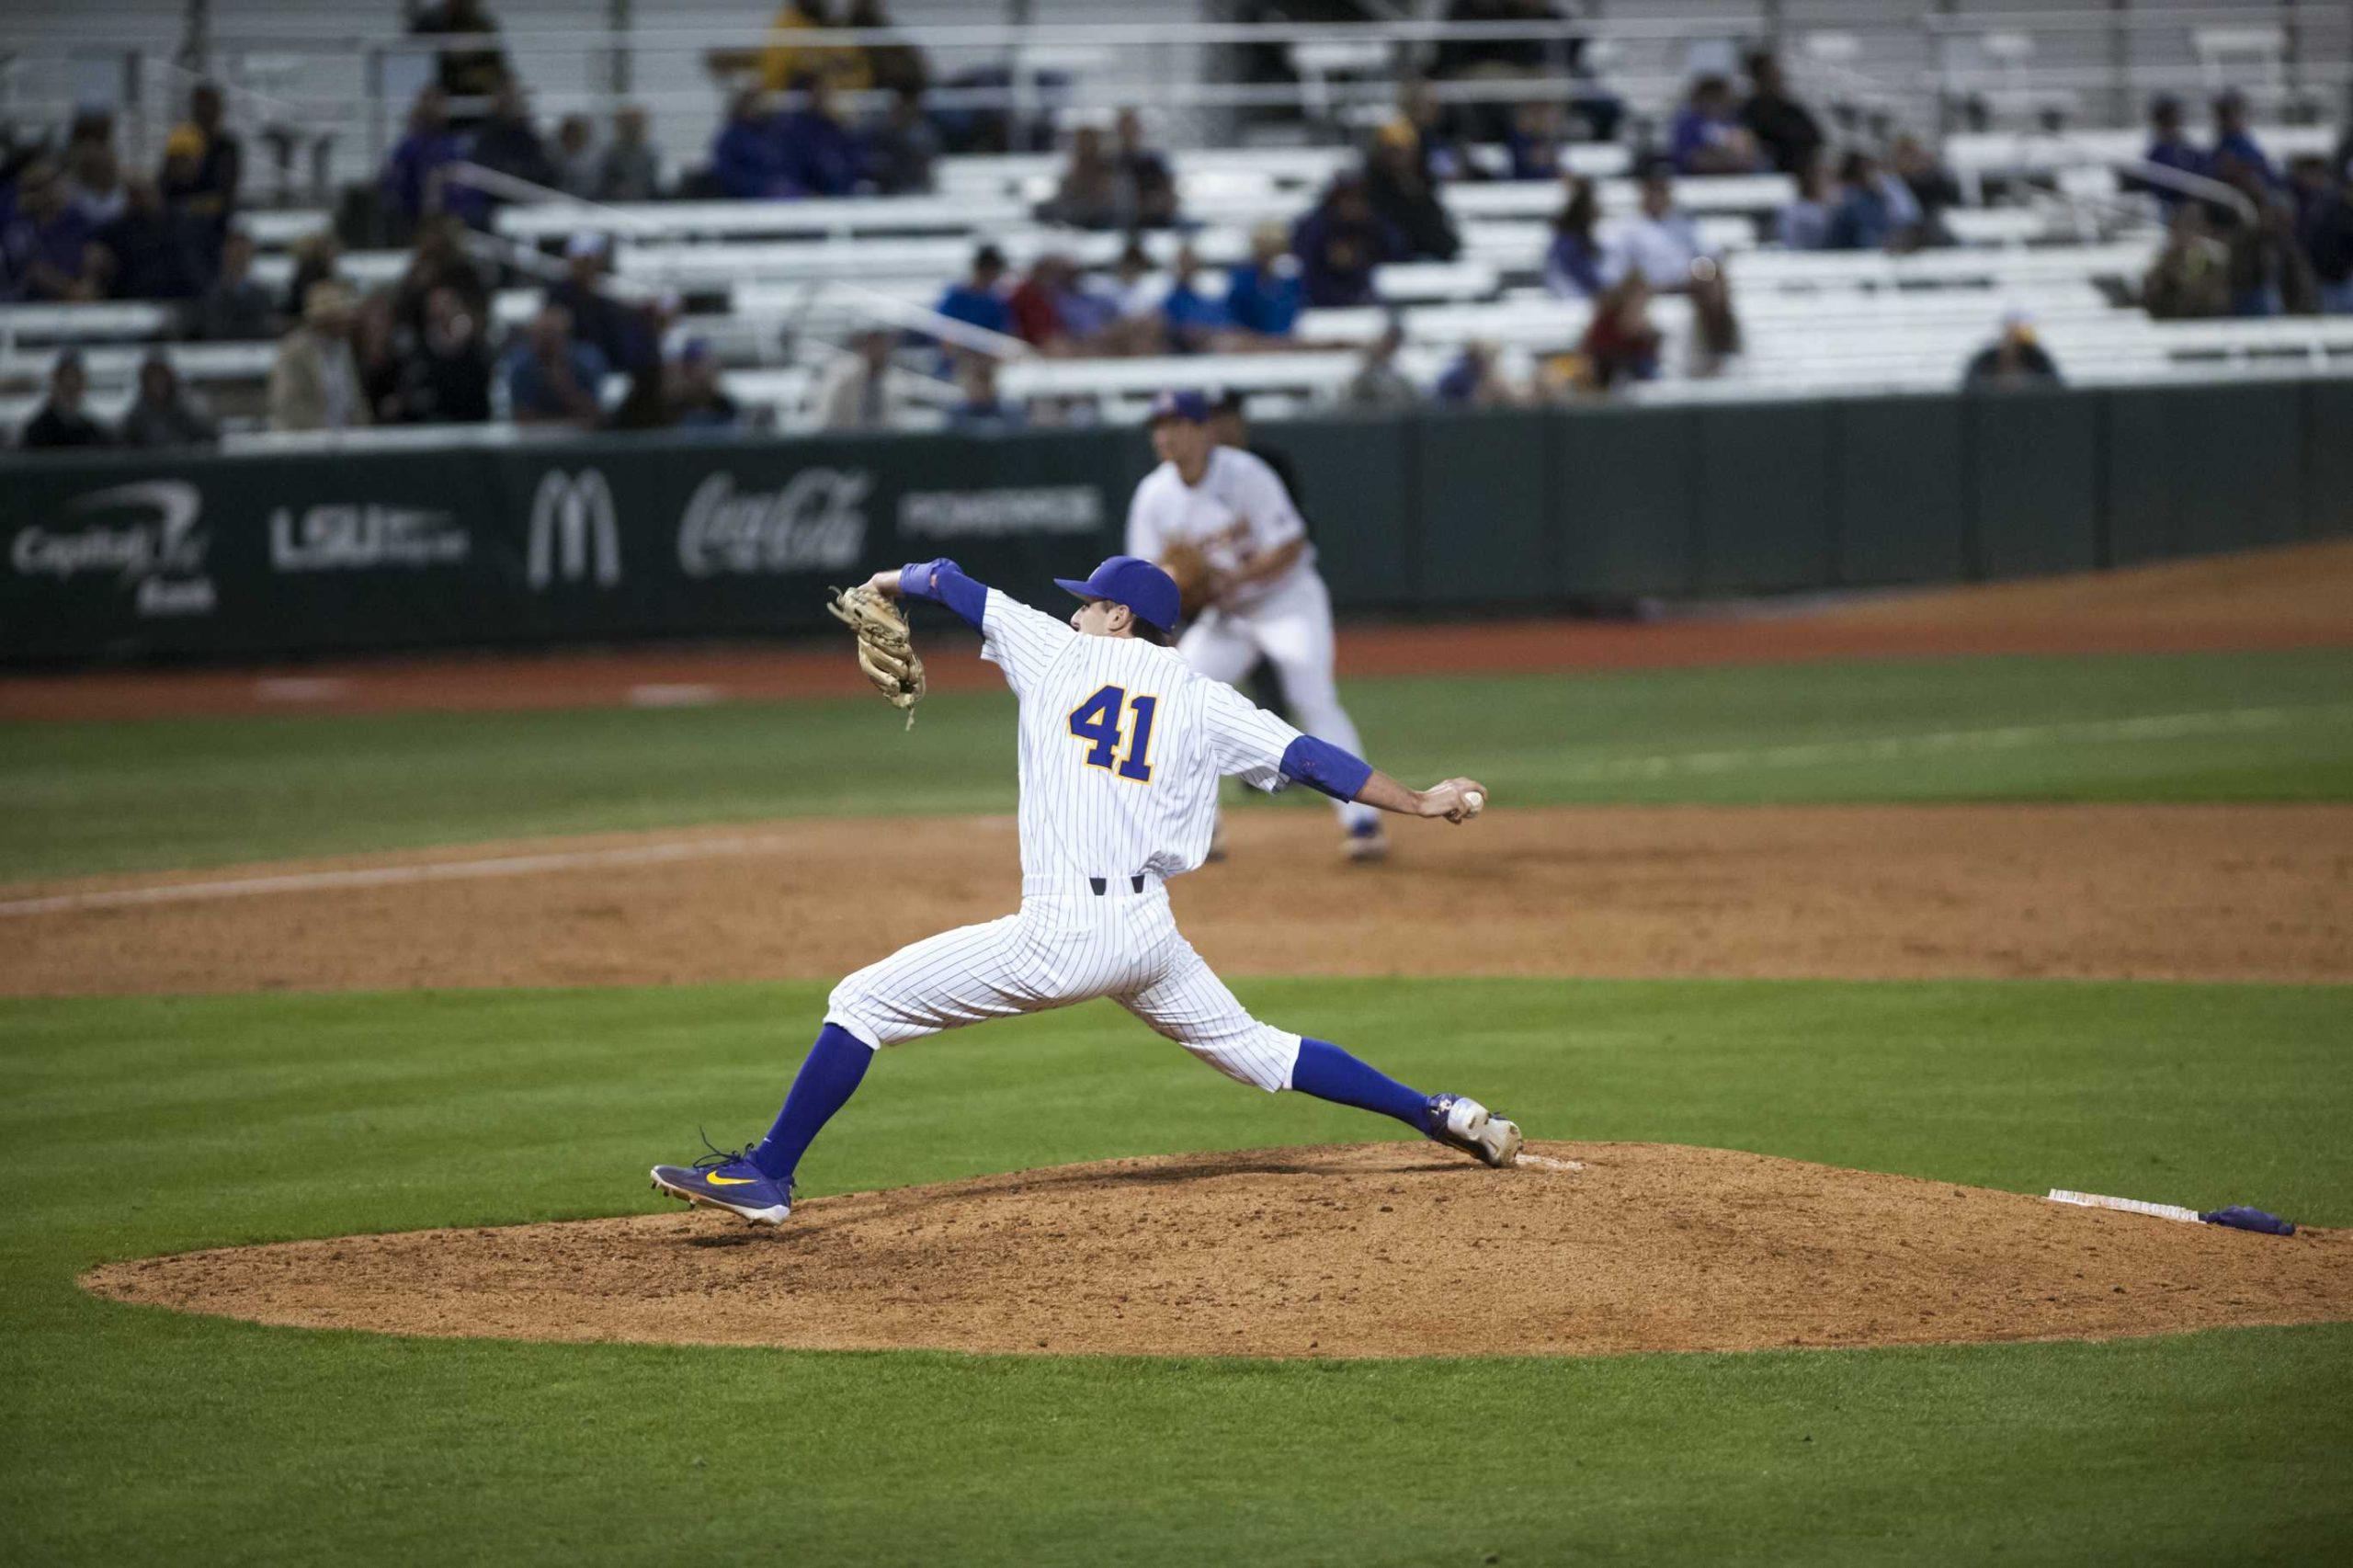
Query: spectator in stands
[
  {"x": 1147, "y": 190},
  {"x": 863, "y": 390},
  {"x": 94, "y": 175},
  {"x": 437, "y": 260},
  {"x": 1930, "y": 190},
  {"x": 1377, "y": 384},
  {"x": 983, "y": 407},
  {"x": 824, "y": 155},
  {"x": 147, "y": 253},
  {"x": 1500, "y": 59},
  {"x": 1421, "y": 126},
  {"x": 1575, "y": 262},
  {"x": 1194, "y": 320},
  {"x": 508, "y": 143},
  {"x": 471, "y": 75},
  {"x": 1263, "y": 295},
  {"x": 2271, "y": 274},
  {"x": 1404, "y": 199},
  {"x": 1803, "y": 222},
  {"x": 748, "y": 159},
  {"x": 2324, "y": 228},
  {"x": 1474, "y": 380},
  {"x": 629, "y": 170},
  {"x": 2233, "y": 139},
  {"x": 2011, "y": 361},
  {"x": 62, "y": 421},
  {"x": 2170, "y": 146},
  {"x": 700, "y": 399},
  {"x": 1620, "y": 344},
  {"x": 317, "y": 257},
  {"x": 2191, "y": 276},
  {"x": 647, "y": 405},
  {"x": 1087, "y": 195},
  {"x": 578, "y": 162},
  {"x": 1783, "y": 128},
  {"x": 787, "y": 63},
  {"x": 445, "y": 375},
  {"x": 552, "y": 378},
  {"x": 622, "y": 332},
  {"x": 1660, "y": 242},
  {"x": 315, "y": 385},
  {"x": 1864, "y": 218},
  {"x": 234, "y": 308},
  {"x": 46, "y": 253},
  {"x": 1532, "y": 145},
  {"x": 204, "y": 165},
  {"x": 412, "y": 174},
  {"x": 1715, "y": 341},
  {"x": 164, "y": 414},
  {"x": 897, "y": 68},
  {"x": 377, "y": 348},
  {"x": 1708, "y": 137},
  {"x": 1340, "y": 244},
  {"x": 979, "y": 299},
  {"x": 1053, "y": 314},
  {"x": 901, "y": 150}
]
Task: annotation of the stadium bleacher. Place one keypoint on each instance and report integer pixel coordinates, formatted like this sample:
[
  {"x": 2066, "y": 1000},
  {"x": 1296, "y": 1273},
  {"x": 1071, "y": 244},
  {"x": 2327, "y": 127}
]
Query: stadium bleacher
[{"x": 2048, "y": 226}]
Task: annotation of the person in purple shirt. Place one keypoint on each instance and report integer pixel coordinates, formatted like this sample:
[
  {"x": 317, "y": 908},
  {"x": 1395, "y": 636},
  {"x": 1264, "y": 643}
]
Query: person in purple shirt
[
  {"x": 411, "y": 179},
  {"x": 1263, "y": 295},
  {"x": 826, "y": 157},
  {"x": 1708, "y": 137},
  {"x": 45, "y": 247},
  {"x": 2232, "y": 139},
  {"x": 1340, "y": 243},
  {"x": 749, "y": 160}
]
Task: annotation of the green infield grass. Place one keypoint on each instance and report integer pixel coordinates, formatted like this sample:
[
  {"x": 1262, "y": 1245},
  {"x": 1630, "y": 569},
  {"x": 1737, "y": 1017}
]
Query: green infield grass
[
  {"x": 90, "y": 797},
  {"x": 139, "y": 1126}
]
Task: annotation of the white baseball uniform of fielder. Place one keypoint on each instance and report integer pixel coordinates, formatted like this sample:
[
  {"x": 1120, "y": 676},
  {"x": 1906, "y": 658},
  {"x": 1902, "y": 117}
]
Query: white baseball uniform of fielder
[
  {"x": 1122, "y": 744},
  {"x": 1238, "y": 512}
]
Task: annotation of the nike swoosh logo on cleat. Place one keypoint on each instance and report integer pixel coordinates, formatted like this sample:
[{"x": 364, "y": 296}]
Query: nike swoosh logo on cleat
[{"x": 730, "y": 1181}]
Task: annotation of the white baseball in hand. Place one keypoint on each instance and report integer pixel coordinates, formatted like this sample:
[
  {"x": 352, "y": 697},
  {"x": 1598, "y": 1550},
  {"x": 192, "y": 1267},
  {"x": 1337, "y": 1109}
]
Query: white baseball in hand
[{"x": 1473, "y": 803}]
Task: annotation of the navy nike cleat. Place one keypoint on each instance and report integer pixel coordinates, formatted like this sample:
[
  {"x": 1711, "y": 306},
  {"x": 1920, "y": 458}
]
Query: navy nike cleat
[
  {"x": 1463, "y": 1123},
  {"x": 722, "y": 1180}
]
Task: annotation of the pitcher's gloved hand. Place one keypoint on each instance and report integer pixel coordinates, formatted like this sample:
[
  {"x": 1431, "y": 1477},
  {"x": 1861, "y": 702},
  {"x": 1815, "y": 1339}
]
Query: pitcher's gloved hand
[{"x": 886, "y": 653}]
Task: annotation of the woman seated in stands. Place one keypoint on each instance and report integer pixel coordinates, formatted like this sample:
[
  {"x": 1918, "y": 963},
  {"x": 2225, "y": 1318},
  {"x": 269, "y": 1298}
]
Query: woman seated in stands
[
  {"x": 1341, "y": 243},
  {"x": 1575, "y": 264},
  {"x": 1263, "y": 295}
]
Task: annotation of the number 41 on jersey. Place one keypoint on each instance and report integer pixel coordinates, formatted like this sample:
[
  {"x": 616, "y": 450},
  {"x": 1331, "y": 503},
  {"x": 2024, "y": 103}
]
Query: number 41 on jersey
[{"x": 1110, "y": 717}]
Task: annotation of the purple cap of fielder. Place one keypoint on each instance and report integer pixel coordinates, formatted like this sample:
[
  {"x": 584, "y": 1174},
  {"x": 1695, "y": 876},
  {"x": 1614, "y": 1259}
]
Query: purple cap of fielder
[
  {"x": 1133, "y": 582},
  {"x": 1190, "y": 406}
]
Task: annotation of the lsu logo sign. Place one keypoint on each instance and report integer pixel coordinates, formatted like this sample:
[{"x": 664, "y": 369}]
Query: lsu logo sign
[{"x": 575, "y": 534}]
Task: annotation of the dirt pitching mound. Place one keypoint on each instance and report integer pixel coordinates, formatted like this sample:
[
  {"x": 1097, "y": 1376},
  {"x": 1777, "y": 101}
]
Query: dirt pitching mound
[{"x": 1384, "y": 1249}]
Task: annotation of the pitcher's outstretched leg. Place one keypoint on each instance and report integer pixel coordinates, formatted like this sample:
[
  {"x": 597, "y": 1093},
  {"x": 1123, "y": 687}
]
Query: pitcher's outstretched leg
[
  {"x": 1328, "y": 1073},
  {"x": 756, "y": 1182}
]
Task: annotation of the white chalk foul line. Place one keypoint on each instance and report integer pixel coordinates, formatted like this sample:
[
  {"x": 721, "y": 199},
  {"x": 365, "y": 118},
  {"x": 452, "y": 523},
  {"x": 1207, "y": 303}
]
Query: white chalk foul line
[
  {"x": 430, "y": 871},
  {"x": 393, "y": 876},
  {"x": 2152, "y": 727}
]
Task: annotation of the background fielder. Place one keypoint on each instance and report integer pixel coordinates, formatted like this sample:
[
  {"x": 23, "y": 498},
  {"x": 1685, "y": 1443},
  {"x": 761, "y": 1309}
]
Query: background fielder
[
  {"x": 1266, "y": 599},
  {"x": 1121, "y": 748}
]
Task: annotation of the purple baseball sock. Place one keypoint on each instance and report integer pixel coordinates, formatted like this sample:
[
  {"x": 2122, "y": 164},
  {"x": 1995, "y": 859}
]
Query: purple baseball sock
[
  {"x": 824, "y": 1085},
  {"x": 1328, "y": 1073}
]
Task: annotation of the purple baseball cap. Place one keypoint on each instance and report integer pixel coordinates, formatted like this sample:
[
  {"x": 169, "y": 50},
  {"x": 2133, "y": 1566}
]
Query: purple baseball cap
[
  {"x": 1188, "y": 406},
  {"x": 1136, "y": 583}
]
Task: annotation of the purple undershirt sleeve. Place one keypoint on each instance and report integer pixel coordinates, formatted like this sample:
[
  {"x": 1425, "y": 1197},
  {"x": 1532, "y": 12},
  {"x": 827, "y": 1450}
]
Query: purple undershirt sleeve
[
  {"x": 1320, "y": 765},
  {"x": 943, "y": 582}
]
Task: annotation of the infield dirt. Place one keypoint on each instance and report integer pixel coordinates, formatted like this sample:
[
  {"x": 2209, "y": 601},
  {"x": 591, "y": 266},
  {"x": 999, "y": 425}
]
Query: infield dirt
[{"x": 1384, "y": 1249}]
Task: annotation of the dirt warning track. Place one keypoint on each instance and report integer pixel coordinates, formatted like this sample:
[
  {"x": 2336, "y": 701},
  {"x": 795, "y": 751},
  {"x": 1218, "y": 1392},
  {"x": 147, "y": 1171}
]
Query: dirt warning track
[{"x": 1381, "y": 1249}]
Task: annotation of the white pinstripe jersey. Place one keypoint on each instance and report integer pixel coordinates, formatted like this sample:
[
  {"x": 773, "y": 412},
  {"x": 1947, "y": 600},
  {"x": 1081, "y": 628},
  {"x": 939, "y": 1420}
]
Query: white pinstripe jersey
[{"x": 1122, "y": 746}]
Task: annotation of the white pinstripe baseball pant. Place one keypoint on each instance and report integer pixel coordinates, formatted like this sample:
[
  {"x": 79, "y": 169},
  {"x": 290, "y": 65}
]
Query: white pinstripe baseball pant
[{"x": 1068, "y": 944}]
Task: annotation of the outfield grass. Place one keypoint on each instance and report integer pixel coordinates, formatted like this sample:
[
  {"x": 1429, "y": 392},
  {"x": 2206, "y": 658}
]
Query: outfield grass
[
  {"x": 113, "y": 797},
  {"x": 134, "y": 1126}
]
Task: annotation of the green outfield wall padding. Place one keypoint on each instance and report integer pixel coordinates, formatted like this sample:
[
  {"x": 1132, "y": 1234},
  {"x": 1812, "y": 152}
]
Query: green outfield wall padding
[
  {"x": 2033, "y": 473},
  {"x": 1765, "y": 498},
  {"x": 163, "y": 554},
  {"x": 1899, "y": 514},
  {"x": 1626, "y": 503}
]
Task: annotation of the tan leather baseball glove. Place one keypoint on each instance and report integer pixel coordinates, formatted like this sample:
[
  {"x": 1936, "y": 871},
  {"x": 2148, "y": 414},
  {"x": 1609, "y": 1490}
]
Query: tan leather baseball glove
[
  {"x": 886, "y": 653},
  {"x": 1196, "y": 578}
]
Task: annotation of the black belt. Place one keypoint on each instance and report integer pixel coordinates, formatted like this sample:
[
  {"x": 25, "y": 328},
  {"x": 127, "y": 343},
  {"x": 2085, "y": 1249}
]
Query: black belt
[{"x": 1102, "y": 884}]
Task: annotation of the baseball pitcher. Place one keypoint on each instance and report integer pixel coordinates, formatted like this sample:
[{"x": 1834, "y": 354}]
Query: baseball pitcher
[{"x": 1122, "y": 744}]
